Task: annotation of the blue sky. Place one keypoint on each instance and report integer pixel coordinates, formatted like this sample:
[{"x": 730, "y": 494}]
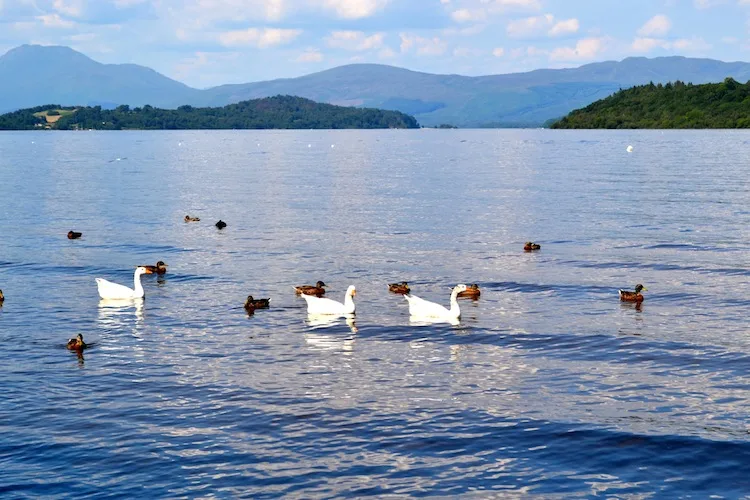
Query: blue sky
[{"x": 210, "y": 42}]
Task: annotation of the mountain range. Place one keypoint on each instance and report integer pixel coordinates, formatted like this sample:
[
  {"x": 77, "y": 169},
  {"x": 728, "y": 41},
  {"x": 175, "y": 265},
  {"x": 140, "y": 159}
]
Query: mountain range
[{"x": 32, "y": 75}]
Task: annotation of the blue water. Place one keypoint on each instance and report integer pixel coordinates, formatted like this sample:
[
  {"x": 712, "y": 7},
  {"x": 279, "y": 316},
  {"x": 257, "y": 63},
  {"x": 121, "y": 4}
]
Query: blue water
[{"x": 548, "y": 388}]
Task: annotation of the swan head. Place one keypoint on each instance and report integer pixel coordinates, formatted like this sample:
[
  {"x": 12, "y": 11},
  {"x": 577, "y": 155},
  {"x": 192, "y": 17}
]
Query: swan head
[
  {"x": 351, "y": 291},
  {"x": 142, "y": 270},
  {"x": 459, "y": 288}
]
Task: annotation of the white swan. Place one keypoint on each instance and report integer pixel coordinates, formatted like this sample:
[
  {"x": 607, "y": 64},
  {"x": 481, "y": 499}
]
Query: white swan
[
  {"x": 420, "y": 308},
  {"x": 321, "y": 305},
  {"x": 109, "y": 290}
]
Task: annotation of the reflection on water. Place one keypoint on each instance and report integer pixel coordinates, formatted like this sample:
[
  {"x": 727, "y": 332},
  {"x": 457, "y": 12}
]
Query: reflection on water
[
  {"x": 119, "y": 313},
  {"x": 428, "y": 320},
  {"x": 532, "y": 394}
]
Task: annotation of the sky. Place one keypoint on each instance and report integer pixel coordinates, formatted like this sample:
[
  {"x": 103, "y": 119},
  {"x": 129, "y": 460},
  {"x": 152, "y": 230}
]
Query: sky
[{"x": 204, "y": 43}]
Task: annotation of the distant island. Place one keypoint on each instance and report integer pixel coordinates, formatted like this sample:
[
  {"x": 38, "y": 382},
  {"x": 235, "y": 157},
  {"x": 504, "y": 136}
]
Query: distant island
[
  {"x": 280, "y": 112},
  {"x": 675, "y": 105}
]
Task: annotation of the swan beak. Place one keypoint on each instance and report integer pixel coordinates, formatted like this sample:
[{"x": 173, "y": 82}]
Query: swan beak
[{"x": 354, "y": 292}]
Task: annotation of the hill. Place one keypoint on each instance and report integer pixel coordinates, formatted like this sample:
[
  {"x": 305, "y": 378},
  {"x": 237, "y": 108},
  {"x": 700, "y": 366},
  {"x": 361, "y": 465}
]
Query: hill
[
  {"x": 280, "y": 112},
  {"x": 674, "y": 105},
  {"x": 33, "y": 75}
]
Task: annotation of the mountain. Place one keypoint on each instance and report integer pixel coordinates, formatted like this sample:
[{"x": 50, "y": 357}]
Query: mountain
[
  {"x": 33, "y": 75},
  {"x": 674, "y": 105}
]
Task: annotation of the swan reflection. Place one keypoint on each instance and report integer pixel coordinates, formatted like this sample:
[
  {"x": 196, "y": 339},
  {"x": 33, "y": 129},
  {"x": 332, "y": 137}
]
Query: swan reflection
[
  {"x": 427, "y": 321},
  {"x": 330, "y": 342},
  {"x": 116, "y": 313}
]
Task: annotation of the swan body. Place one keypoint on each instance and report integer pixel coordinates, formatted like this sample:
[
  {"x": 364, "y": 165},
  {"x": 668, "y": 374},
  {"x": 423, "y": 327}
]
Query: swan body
[
  {"x": 421, "y": 308},
  {"x": 114, "y": 291},
  {"x": 322, "y": 305}
]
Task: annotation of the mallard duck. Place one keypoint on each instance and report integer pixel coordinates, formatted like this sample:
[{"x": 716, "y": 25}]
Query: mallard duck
[
  {"x": 317, "y": 289},
  {"x": 72, "y": 235},
  {"x": 192, "y": 219},
  {"x": 2, "y": 297},
  {"x": 320, "y": 305},
  {"x": 221, "y": 224},
  {"x": 420, "y": 308},
  {"x": 471, "y": 292},
  {"x": 159, "y": 268},
  {"x": 628, "y": 296},
  {"x": 529, "y": 246},
  {"x": 401, "y": 288},
  {"x": 77, "y": 343},
  {"x": 114, "y": 291},
  {"x": 252, "y": 304}
]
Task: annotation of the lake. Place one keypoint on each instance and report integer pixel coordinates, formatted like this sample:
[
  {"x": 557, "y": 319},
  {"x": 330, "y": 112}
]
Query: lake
[{"x": 549, "y": 387}]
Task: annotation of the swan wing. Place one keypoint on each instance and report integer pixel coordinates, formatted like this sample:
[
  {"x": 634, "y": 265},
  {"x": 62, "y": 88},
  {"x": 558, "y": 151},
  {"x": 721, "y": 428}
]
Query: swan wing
[
  {"x": 322, "y": 305},
  {"x": 425, "y": 308},
  {"x": 109, "y": 290}
]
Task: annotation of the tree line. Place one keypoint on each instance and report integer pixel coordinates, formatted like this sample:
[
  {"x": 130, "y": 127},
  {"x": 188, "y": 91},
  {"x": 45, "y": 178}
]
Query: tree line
[
  {"x": 280, "y": 112},
  {"x": 667, "y": 106}
]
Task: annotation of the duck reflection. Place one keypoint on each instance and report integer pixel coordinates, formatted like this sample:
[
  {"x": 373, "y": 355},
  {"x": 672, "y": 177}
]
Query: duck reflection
[
  {"x": 427, "y": 321},
  {"x": 115, "y": 313},
  {"x": 343, "y": 342}
]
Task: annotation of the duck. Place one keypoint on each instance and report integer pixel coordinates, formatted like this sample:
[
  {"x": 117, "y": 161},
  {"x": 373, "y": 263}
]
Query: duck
[
  {"x": 76, "y": 343},
  {"x": 636, "y": 296},
  {"x": 529, "y": 246},
  {"x": 472, "y": 292},
  {"x": 160, "y": 268},
  {"x": 2, "y": 297},
  {"x": 425, "y": 309},
  {"x": 317, "y": 289},
  {"x": 401, "y": 288},
  {"x": 221, "y": 224},
  {"x": 72, "y": 235},
  {"x": 323, "y": 306},
  {"x": 252, "y": 304},
  {"x": 113, "y": 291},
  {"x": 192, "y": 219}
]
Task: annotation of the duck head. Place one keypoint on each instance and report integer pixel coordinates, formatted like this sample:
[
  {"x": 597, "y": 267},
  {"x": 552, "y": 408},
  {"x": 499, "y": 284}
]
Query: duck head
[
  {"x": 639, "y": 288},
  {"x": 320, "y": 284}
]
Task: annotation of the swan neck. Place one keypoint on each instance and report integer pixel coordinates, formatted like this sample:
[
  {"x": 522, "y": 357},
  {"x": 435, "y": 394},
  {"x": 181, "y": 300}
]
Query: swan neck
[
  {"x": 349, "y": 303},
  {"x": 137, "y": 287},
  {"x": 455, "y": 309}
]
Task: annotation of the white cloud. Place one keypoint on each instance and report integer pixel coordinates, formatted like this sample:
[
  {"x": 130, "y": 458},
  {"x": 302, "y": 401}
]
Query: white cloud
[
  {"x": 686, "y": 45},
  {"x": 505, "y": 5},
  {"x": 386, "y": 53},
  {"x": 258, "y": 37},
  {"x": 566, "y": 27},
  {"x": 468, "y": 15},
  {"x": 424, "y": 46},
  {"x": 498, "y": 52},
  {"x": 657, "y": 26},
  {"x": 529, "y": 26},
  {"x": 467, "y": 52},
  {"x": 355, "y": 40},
  {"x": 72, "y": 8},
  {"x": 537, "y": 26},
  {"x": 585, "y": 49},
  {"x": 55, "y": 21},
  {"x": 310, "y": 55},
  {"x": 707, "y": 4},
  {"x": 354, "y": 9}
]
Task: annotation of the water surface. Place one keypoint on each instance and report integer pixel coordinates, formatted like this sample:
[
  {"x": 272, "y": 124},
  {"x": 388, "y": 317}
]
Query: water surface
[{"x": 549, "y": 387}]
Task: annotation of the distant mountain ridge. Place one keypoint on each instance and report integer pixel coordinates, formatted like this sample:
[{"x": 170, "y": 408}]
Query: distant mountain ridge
[{"x": 34, "y": 75}]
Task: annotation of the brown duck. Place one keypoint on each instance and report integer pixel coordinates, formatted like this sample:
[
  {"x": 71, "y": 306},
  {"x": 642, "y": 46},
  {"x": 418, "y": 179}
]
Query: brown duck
[
  {"x": 192, "y": 219},
  {"x": 530, "y": 245},
  {"x": 318, "y": 289},
  {"x": 400, "y": 288},
  {"x": 77, "y": 343},
  {"x": 252, "y": 304},
  {"x": 471, "y": 292},
  {"x": 2, "y": 297},
  {"x": 159, "y": 268},
  {"x": 628, "y": 296},
  {"x": 221, "y": 224},
  {"x": 73, "y": 235}
]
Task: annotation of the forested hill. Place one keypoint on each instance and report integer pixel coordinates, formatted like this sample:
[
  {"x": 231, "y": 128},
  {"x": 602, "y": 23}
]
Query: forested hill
[
  {"x": 280, "y": 112},
  {"x": 674, "y": 105}
]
